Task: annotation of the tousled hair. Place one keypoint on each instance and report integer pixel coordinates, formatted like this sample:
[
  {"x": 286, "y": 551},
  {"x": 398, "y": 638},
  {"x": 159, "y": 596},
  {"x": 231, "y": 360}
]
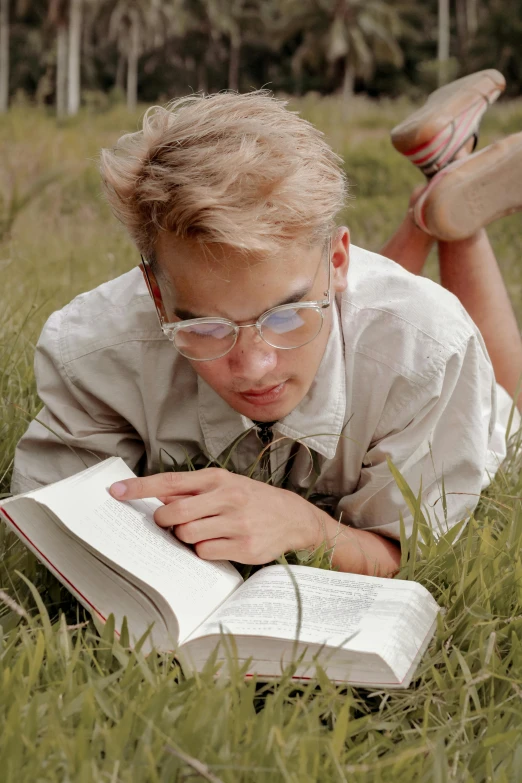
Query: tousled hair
[{"x": 236, "y": 169}]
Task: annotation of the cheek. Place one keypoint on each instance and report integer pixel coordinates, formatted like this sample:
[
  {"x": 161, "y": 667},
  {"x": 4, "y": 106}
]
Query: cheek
[
  {"x": 216, "y": 374},
  {"x": 302, "y": 364},
  {"x": 306, "y": 360}
]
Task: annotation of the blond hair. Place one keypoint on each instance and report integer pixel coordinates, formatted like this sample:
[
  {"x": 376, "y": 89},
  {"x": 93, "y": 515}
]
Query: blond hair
[{"x": 240, "y": 170}]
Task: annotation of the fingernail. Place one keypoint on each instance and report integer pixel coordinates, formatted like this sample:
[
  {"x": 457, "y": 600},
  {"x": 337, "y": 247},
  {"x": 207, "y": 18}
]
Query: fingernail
[{"x": 118, "y": 490}]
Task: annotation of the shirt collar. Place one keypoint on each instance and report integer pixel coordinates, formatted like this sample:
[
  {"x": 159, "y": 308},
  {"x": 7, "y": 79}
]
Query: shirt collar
[{"x": 317, "y": 420}]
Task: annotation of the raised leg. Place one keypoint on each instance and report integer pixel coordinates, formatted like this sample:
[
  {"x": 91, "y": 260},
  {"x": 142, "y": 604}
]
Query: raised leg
[
  {"x": 469, "y": 193},
  {"x": 469, "y": 270},
  {"x": 409, "y": 246}
]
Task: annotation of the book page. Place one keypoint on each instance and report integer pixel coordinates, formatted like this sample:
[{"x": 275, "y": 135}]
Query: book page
[
  {"x": 355, "y": 612},
  {"x": 126, "y": 534},
  {"x": 266, "y": 604}
]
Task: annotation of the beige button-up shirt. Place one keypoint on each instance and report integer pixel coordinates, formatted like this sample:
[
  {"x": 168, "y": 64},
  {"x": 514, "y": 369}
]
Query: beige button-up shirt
[{"x": 405, "y": 374}]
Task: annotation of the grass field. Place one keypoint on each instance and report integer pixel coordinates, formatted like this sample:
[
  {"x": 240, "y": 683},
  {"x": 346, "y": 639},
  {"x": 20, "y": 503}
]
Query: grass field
[{"x": 76, "y": 707}]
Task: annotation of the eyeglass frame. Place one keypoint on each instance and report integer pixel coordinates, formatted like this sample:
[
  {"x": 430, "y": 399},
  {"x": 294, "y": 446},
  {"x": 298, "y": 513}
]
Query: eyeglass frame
[{"x": 170, "y": 329}]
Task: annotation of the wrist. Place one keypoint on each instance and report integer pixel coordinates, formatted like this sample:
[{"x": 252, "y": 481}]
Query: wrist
[
  {"x": 322, "y": 529},
  {"x": 353, "y": 550},
  {"x": 313, "y": 527}
]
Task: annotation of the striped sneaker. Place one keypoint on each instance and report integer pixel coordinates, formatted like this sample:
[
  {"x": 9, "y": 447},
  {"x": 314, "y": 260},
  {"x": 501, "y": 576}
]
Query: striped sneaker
[
  {"x": 433, "y": 134},
  {"x": 472, "y": 192}
]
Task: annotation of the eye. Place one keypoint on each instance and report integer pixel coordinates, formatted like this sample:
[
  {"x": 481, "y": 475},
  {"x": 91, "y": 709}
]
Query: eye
[
  {"x": 284, "y": 321},
  {"x": 216, "y": 330}
]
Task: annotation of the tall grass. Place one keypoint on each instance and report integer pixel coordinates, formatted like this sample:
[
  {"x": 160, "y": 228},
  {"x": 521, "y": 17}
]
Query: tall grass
[{"x": 78, "y": 707}]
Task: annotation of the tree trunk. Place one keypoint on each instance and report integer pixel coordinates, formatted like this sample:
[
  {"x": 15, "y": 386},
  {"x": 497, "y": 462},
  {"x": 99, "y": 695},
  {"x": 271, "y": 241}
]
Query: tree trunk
[
  {"x": 4, "y": 55},
  {"x": 202, "y": 76},
  {"x": 467, "y": 24},
  {"x": 132, "y": 64},
  {"x": 119, "y": 81},
  {"x": 472, "y": 16},
  {"x": 444, "y": 40},
  {"x": 233, "y": 63},
  {"x": 348, "y": 80},
  {"x": 211, "y": 58},
  {"x": 75, "y": 37},
  {"x": 61, "y": 70},
  {"x": 461, "y": 16}
]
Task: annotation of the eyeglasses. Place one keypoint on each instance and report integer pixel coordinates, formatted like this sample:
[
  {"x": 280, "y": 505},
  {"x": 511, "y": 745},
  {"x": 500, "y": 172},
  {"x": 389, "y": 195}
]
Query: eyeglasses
[{"x": 203, "y": 339}]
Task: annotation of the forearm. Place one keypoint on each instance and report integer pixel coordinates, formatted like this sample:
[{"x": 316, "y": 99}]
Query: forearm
[{"x": 358, "y": 551}]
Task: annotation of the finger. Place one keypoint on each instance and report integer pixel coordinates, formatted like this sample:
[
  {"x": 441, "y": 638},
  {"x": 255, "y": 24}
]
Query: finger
[
  {"x": 217, "y": 549},
  {"x": 169, "y": 498},
  {"x": 202, "y": 530},
  {"x": 179, "y": 511},
  {"x": 167, "y": 484},
  {"x": 230, "y": 549}
]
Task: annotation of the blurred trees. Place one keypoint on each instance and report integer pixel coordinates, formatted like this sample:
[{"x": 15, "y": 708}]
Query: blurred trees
[
  {"x": 58, "y": 18},
  {"x": 156, "y": 49},
  {"x": 466, "y": 17},
  {"x": 354, "y": 35},
  {"x": 443, "y": 49},
  {"x": 65, "y": 19},
  {"x": 74, "y": 59},
  {"x": 4, "y": 54},
  {"x": 135, "y": 27}
]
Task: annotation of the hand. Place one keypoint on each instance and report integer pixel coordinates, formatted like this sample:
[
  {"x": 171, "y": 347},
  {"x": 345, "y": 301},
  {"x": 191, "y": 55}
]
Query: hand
[{"x": 226, "y": 516}]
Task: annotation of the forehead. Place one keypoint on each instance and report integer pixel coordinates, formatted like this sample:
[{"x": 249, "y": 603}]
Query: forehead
[{"x": 218, "y": 280}]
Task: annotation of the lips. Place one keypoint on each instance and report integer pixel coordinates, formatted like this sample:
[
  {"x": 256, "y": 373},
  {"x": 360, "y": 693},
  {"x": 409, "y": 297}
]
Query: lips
[
  {"x": 264, "y": 396},
  {"x": 259, "y": 392}
]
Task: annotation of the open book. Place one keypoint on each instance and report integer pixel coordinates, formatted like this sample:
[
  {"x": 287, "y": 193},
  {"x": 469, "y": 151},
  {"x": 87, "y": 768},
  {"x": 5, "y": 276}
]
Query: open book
[{"x": 115, "y": 559}]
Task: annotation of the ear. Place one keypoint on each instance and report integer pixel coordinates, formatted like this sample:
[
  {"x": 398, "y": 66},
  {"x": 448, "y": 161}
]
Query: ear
[{"x": 340, "y": 258}]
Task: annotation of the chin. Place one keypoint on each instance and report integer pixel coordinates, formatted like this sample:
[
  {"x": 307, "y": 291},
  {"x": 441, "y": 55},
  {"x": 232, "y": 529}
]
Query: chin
[
  {"x": 265, "y": 412},
  {"x": 265, "y": 415}
]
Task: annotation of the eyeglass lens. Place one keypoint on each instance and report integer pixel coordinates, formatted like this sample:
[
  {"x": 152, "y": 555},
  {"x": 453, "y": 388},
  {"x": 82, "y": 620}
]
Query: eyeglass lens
[{"x": 290, "y": 327}]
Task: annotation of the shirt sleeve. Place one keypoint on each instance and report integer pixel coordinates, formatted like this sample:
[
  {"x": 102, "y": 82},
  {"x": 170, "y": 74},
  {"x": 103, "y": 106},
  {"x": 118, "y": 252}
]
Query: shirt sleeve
[
  {"x": 442, "y": 429},
  {"x": 74, "y": 430}
]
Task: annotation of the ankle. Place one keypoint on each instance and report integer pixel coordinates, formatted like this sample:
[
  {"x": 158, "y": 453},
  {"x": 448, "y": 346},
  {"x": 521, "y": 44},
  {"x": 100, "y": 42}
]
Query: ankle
[
  {"x": 467, "y": 149},
  {"x": 415, "y": 195}
]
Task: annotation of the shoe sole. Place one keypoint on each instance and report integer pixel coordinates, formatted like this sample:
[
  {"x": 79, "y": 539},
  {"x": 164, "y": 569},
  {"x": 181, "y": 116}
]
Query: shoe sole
[
  {"x": 433, "y": 134},
  {"x": 473, "y": 192}
]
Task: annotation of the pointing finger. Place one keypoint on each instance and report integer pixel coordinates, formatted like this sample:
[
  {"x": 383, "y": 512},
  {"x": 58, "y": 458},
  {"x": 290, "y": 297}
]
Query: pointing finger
[{"x": 166, "y": 484}]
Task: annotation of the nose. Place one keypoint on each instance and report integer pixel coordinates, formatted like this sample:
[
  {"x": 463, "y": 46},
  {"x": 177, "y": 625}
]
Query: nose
[{"x": 252, "y": 358}]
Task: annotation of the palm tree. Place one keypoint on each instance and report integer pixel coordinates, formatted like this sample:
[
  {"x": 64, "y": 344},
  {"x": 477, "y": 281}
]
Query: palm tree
[
  {"x": 132, "y": 59},
  {"x": 74, "y": 59},
  {"x": 4, "y": 55},
  {"x": 362, "y": 33},
  {"x": 220, "y": 21},
  {"x": 443, "y": 48},
  {"x": 58, "y": 17},
  {"x": 355, "y": 33},
  {"x": 137, "y": 26},
  {"x": 232, "y": 19},
  {"x": 467, "y": 24}
]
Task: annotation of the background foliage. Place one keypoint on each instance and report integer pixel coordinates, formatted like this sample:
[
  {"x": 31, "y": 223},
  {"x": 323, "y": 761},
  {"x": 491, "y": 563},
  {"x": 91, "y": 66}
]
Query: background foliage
[{"x": 160, "y": 49}]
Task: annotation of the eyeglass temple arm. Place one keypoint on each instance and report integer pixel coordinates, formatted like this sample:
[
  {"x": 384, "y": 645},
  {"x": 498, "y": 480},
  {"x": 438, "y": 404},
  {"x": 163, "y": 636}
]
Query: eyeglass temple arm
[
  {"x": 154, "y": 290},
  {"x": 327, "y": 292}
]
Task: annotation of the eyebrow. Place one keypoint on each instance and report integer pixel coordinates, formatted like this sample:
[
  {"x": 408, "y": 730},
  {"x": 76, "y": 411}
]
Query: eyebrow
[{"x": 187, "y": 315}]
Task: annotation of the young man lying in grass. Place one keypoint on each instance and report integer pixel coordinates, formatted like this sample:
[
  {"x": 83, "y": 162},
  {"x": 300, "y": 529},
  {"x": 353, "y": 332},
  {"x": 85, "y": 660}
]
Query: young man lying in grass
[{"x": 275, "y": 332}]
